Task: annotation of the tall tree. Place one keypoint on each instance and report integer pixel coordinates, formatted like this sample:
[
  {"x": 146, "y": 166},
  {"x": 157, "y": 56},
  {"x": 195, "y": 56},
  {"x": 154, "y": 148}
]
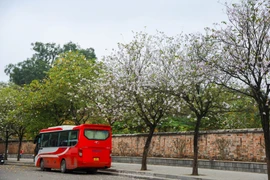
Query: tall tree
[
  {"x": 89, "y": 53},
  {"x": 61, "y": 96},
  {"x": 47, "y": 52},
  {"x": 244, "y": 56},
  {"x": 189, "y": 79},
  {"x": 36, "y": 67},
  {"x": 134, "y": 68},
  {"x": 26, "y": 71},
  {"x": 13, "y": 116}
]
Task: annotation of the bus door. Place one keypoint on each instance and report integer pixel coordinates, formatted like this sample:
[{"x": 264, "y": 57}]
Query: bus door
[
  {"x": 37, "y": 142},
  {"x": 48, "y": 149}
]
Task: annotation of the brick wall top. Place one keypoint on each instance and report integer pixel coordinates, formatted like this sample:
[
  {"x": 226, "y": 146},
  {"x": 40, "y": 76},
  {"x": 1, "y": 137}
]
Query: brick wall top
[{"x": 222, "y": 131}]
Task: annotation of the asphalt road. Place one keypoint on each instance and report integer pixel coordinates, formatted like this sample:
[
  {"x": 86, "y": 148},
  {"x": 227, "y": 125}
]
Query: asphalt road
[{"x": 12, "y": 172}]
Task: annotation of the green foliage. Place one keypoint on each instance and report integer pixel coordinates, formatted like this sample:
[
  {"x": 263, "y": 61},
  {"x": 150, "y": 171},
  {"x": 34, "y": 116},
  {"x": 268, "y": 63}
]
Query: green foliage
[
  {"x": 8, "y": 102},
  {"x": 36, "y": 67},
  {"x": 244, "y": 114},
  {"x": 176, "y": 124},
  {"x": 89, "y": 53},
  {"x": 64, "y": 94},
  {"x": 13, "y": 115},
  {"x": 26, "y": 71}
]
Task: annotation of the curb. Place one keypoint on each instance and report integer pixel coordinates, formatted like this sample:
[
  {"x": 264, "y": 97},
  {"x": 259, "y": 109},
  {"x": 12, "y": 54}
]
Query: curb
[
  {"x": 126, "y": 173},
  {"x": 149, "y": 175},
  {"x": 18, "y": 163}
]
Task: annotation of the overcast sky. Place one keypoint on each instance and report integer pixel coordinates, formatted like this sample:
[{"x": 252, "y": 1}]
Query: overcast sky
[{"x": 99, "y": 24}]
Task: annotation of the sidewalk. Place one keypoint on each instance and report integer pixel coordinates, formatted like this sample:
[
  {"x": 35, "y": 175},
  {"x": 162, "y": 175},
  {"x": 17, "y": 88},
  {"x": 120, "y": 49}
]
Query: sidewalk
[{"x": 166, "y": 172}]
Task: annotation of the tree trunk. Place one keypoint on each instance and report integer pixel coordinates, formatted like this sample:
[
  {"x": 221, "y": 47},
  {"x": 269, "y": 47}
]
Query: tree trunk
[
  {"x": 6, "y": 148},
  {"x": 195, "y": 147},
  {"x": 267, "y": 150},
  {"x": 265, "y": 125},
  {"x": 146, "y": 148},
  {"x": 19, "y": 148},
  {"x": 268, "y": 166}
]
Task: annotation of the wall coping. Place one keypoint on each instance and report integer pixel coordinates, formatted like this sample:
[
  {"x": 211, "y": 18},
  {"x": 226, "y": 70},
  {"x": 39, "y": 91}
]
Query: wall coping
[{"x": 221, "y": 131}]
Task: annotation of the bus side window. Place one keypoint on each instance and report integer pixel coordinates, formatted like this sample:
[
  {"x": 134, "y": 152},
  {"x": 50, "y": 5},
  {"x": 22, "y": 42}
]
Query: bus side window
[
  {"x": 63, "y": 139},
  {"x": 73, "y": 138},
  {"x": 54, "y": 139},
  {"x": 63, "y": 143},
  {"x": 45, "y": 140}
]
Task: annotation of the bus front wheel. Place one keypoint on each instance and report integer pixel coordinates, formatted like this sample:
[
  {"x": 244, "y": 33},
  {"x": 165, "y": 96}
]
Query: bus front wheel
[
  {"x": 42, "y": 168},
  {"x": 63, "y": 166}
]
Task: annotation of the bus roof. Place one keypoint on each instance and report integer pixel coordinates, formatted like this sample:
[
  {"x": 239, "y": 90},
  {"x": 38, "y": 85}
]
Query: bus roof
[
  {"x": 71, "y": 127},
  {"x": 58, "y": 128}
]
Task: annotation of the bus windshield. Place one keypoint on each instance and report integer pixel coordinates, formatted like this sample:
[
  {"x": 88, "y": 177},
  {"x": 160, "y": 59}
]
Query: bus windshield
[{"x": 96, "y": 134}]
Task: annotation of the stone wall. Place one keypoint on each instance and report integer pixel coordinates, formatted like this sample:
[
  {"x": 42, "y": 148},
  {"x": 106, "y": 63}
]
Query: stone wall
[
  {"x": 27, "y": 146},
  {"x": 236, "y": 145}
]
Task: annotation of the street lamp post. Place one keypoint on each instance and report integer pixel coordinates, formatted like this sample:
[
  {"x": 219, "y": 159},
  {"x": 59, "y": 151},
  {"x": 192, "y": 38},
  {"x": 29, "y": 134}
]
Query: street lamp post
[{"x": 6, "y": 150}]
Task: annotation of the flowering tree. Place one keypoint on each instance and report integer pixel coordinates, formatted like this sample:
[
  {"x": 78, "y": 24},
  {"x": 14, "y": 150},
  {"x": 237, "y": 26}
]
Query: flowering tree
[
  {"x": 108, "y": 98},
  {"x": 244, "y": 56},
  {"x": 189, "y": 79},
  {"x": 134, "y": 70}
]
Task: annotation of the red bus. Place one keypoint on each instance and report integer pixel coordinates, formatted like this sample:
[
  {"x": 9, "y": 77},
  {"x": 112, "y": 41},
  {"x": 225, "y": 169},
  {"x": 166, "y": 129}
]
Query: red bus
[{"x": 86, "y": 147}]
